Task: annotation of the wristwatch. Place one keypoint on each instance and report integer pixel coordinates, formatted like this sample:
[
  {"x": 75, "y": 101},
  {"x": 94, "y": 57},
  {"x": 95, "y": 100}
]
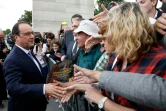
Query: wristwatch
[{"x": 101, "y": 102}]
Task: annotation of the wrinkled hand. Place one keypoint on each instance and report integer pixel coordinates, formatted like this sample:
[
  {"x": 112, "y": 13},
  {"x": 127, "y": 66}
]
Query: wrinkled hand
[
  {"x": 93, "y": 95},
  {"x": 66, "y": 97},
  {"x": 160, "y": 25},
  {"x": 89, "y": 73},
  {"x": 79, "y": 87},
  {"x": 90, "y": 42},
  {"x": 60, "y": 84},
  {"x": 103, "y": 16},
  {"x": 51, "y": 90},
  {"x": 83, "y": 79},
  {"x": 70, "y": 90},
  {"x": 67, "y": 94}
]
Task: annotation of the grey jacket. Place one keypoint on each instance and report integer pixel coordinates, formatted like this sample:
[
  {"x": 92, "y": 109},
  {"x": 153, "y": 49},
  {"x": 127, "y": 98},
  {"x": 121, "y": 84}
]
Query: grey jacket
[{"x": 145, "y": 89}]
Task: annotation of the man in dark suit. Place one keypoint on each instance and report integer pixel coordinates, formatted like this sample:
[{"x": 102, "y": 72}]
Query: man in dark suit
[
  {"x": 26, "y": 81},
  {"x": 73, "y": 49},
  {"x": 69, "y": 36}
]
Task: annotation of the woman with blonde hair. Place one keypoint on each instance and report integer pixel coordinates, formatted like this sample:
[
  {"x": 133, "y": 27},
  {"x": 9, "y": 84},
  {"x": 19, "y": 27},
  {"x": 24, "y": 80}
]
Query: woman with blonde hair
[{"x": 136, "y": 50}]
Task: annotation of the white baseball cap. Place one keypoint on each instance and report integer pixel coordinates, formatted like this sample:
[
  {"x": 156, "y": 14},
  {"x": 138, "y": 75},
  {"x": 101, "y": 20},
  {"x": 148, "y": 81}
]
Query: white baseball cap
[{"x": 88, "y": 27}]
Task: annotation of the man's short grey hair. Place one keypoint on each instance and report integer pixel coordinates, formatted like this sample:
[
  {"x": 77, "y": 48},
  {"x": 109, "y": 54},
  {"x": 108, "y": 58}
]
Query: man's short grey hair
[{"x": 79, "y": 19}]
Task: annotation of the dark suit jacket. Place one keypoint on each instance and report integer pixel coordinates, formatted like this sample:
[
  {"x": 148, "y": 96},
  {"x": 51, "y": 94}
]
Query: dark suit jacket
[
  {"x": 67, "y": 39},
  {"x": 2, "y": 46},
  {"x": 158, "y": 14},
  {"x": 159, "y": 36},
  {"x": 3, "y": 93},
  {"x": 69, "y": 52},
  {"x": 24, "y": 82}
]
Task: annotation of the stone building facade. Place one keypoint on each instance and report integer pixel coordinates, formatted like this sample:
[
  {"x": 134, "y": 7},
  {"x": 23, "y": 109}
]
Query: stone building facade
[{"x": 47, "y": 15}]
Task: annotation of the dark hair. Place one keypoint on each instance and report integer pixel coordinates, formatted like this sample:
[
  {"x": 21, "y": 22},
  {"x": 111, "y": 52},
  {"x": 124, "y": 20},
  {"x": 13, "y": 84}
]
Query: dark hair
[
  {"x": 56, "y": 42},
  {"x": 50, "y": 36},
  {"x": 38, "y": 37},
  {"x": 15, "y": 29},
  {"x": 76, "y": 16},
  {"x": 38, "y": 34},
  {"x": 79, "y": 19}
]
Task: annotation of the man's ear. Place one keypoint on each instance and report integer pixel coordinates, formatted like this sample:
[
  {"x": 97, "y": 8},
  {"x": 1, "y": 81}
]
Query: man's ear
[
  {"x": 15, "y": 37},
  {"x": 154, "y": 2}
]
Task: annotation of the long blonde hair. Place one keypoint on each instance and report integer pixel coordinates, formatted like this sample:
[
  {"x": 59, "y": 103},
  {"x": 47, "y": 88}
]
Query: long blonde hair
[{"x": 130, "y": 31}]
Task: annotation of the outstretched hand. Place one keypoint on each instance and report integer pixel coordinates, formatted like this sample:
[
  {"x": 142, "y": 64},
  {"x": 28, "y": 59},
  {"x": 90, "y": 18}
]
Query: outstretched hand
[
  {"x": 160, "y": 25},
  {"x": 80, "y": 78},
  {"x": 93, "y": 95},
  {"x": 103, "y": 16},
  {"x": 91, "y": 41},
  {"x": 89, "y": 73},
  {"x": 52, "y": 90}
]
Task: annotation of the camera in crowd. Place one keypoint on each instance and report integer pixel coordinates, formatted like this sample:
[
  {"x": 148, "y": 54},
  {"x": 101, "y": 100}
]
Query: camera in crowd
[
  {"x": 10, "y": 40},
  {"x": 61, "y": 31},
  {"x": 37, "y": 40},
  {"x": 48, "y": 45}
]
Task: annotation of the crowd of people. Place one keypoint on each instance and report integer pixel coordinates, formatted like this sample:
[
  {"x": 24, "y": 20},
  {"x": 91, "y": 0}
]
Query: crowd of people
[{"x": 119, "y": 57}]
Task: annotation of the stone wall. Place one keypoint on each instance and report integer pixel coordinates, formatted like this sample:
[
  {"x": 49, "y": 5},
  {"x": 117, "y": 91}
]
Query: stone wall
[{"x": 48, "y": 14}]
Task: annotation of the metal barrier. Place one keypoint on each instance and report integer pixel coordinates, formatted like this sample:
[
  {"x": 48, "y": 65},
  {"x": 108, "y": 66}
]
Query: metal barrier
[{"x": 77, "y": 102}]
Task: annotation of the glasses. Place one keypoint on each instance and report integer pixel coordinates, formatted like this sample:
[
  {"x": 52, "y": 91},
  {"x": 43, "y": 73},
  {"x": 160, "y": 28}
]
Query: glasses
[{"x": 28, "y": 33}]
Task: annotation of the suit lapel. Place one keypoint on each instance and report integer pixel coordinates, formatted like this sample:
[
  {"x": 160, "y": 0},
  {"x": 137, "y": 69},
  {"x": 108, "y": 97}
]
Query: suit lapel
[
  {"x": 38, "y": 63},
  {"x": 28, "y": 60}
]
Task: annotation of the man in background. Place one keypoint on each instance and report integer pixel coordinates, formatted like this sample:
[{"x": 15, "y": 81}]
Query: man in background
[
  {"x": 68, "y": 37},
  {"x": 3, "y": 53},
  {"x": 150, "y": 7}
]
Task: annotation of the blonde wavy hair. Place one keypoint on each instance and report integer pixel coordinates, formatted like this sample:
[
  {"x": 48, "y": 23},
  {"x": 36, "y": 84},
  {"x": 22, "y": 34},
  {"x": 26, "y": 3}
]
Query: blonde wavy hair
[{"x": 130, "y": 31}]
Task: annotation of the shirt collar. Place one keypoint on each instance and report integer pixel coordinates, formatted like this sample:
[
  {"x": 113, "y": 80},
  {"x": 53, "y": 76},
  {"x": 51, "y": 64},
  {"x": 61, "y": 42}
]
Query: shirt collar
[
  {"x": 156, "y": 14},
  {"x": 26, "y": 51}
]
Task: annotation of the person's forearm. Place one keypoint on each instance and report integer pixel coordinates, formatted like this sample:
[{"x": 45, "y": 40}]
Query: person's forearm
[
  {"x": 69, "y": 83},
  {"x": 96, "y": 75},
  {"x": 144, "y": 89},
  {"x": 81, "y": 87},
  {"x": 111, "y": 106}
]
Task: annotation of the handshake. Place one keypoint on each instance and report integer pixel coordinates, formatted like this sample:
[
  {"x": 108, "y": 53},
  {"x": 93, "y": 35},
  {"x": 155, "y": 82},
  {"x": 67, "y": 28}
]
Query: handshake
[
  {"x": 81, "y": 82},
  {"x": 57, "y": 90}
]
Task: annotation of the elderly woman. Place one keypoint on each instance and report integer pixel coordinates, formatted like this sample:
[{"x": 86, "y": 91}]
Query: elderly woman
[{"x": 136, "y": 50}]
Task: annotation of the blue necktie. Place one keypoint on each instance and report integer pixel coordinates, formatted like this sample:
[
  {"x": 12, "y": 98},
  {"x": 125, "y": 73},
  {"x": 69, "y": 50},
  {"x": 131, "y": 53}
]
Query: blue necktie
[{"x": 30, "y": 55}]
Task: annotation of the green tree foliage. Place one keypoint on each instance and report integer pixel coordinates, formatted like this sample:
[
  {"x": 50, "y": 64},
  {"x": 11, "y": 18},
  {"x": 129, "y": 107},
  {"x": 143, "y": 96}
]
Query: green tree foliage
[
  {"x": 27, "y": 17},
  {"x": 105, "y": 2},
  {"x": 7, "y": 31}
]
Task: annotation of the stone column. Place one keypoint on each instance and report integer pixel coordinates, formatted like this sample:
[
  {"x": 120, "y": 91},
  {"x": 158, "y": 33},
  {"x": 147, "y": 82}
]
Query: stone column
[{"x": 47, "y": 15}]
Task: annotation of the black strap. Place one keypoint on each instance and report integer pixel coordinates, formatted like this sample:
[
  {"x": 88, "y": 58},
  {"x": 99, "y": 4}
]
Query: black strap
[{"x": 36, "y": 48}]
